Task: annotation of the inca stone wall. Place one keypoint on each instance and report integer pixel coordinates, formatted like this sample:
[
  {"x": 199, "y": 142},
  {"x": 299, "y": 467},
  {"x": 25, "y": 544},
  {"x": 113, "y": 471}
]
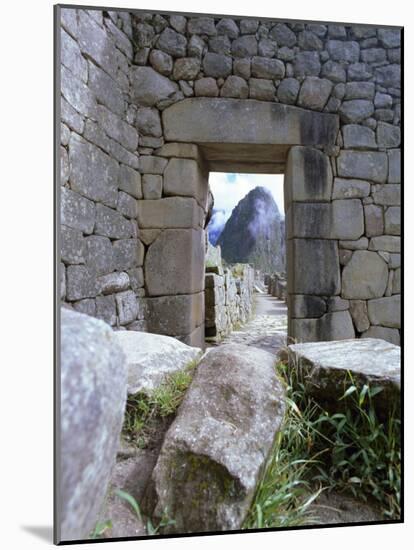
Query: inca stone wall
[
  {"x": 152, "y": 103},
  {"x": 228, "y": 295}
]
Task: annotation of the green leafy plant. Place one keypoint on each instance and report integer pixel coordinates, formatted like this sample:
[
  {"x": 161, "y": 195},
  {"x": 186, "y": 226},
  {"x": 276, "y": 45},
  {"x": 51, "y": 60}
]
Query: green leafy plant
[
  {"x": 143, "y": 411},
  {"x": 100, "y": 528},
  {"x": 151, "y": 529}
]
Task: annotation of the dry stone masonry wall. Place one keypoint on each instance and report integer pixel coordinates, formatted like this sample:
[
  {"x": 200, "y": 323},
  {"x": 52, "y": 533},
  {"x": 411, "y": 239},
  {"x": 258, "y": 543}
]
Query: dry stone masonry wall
[{"x": 134, "y": 192}]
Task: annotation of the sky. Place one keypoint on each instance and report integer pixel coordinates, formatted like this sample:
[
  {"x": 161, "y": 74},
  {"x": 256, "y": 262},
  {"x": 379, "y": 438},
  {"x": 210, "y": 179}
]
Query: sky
[{"x": 229, "y": 189}]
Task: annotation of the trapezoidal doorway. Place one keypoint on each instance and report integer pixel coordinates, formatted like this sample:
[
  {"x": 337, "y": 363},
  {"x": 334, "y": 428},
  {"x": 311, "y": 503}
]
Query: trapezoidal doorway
[{"x": 248, "y": 136}]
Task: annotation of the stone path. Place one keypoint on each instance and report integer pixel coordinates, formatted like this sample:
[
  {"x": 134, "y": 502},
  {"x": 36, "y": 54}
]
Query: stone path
[{"x": 268, "y": 327}]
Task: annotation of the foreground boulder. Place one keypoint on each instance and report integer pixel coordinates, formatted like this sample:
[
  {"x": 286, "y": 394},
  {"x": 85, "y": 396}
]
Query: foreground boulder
[
  {"x": 151, "y": 357},
  {"x": 93, "y": 382},
  {"x": 215, "y": 451},
  {"x": 324, "y": 368}
]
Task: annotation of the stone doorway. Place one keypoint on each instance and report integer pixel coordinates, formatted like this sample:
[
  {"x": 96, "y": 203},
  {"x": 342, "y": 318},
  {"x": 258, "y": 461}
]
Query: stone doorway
[{"x": 249, "y": 136}]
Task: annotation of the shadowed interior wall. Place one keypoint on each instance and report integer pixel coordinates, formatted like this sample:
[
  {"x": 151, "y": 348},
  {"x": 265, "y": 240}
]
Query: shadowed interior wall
[{"x": 151, "y": 103}]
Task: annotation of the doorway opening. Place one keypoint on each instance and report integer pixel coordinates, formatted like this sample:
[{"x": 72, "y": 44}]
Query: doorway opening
[{"x": 245, "y": 290}]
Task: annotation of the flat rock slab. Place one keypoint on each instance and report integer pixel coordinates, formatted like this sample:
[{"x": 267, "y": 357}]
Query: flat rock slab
[
  {"x": 325, "y": 367},
  {"x": 214, "y": 452},
  {"x": 152, "y": 357}
]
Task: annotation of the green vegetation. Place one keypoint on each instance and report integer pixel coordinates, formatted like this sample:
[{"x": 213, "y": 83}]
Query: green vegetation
[
  {"x": 348, "y": 451},
  {"x": 144, "y": 412},
  {"x": 100, "y": 529}
]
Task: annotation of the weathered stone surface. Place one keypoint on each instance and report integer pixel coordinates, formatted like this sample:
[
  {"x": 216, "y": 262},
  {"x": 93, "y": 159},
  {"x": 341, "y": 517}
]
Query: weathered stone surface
[
  {"x": 343, "y": 51},
  {"x": 113, "y": 282},
  {"x": 388, "y": 76},
  {"x": 374, "y": 220},
  {"x": 117, "y": 129},
  {"x": 387, "y": 195},
  {"x": 242, "y": 67},
  {"x": 231, "y": 120},
  {"x": 72, "y": 244},
  {"x": 172, "y": 43},
  {"x": 342, "y": 212},
  {"x": 200, "y": 448},
  {"x": 76, "y": 211},
  {"x": 359, "y": 313},
  {"x": 245, "y": 46},
  {"x": 283, "y": 35},
  {"x": 128, "y": 253},
  {"x": 106, "y": 309},
  {"x": 391, "y": 335},
  {"x": 127, "y": 306},
  {"x": 217, "y": 65},
  {"x": 171, "y": 212},
  {"x": 365, "y": 276},
  {"x": 386, "y": 243},
  {"x": 325, "y": 367},
  {"x": 99, "y": 254},
  {"x": 309, "y": 220},
  {"x": 394, "y": 166},
  {"x": 382, "y": 101},
  {"x": 350, "y": 188},
  {"x": 388, "y": 135},
  {"x": 344, "y": 256},
  {"x": 331, "y": 326},
  {"x": 314, "y": 93},
  {"x": 86, "y": 306},
  {"x": 162, "y": 62},
  {"x": 220, "y": 44},
  {"x": 360, "y": 90},
  {"x": 288, "y": 91},
  {"x": 335, "y": 72},
  {"x": 311, "y": 258},
  {"x": 152, "y": 186},
  {"x": 173, "y": 249},
  {"x": 385, "y": 311},
  {"x": 303, "y": 306},
  {"x": 93, "y": 378},
  {"x": 70, "y": 116},
  {"x": 175, "y": 315},
  {"x": 307, "y": 64},
  {"x": 71, "y": 57},
  {"x": 186, "y": 68},
  {"x": 308, "y": 40},
  {"x": 393, "y": 220},
  {"x": 77, "y": 94},
  {"x": 201, "y": 25},
  {"x": 105, "y": 89},
  {"x": 179, "y": 150},
  {"x": 127, "y": 205},
  {"x": 389, "y": 38},
  {"x": 206, "y": 87},
  {"x": 149, "y": 87},
  {"x": 152, "y": 357},
  {"x": 183, "y": 177},
  {"x": 93, "y": 173},
  {"x": 236, "y": 87},
  {"x": 262, "y": 89},
  {"x": 267, "y": 47},
  {"x": 263, "y": 67},
  {"x": 130, "y": 181},
  {"x": 363, "y": 165},
  {"x": 359, "y": 71},
  {"x": 80, "y": 282},
  {"x": 356, "y": 110},
  {"x": 396, "y": 285},
  {"x": 358, "y": 137},
  {"x": 151, "y": 164},
  {"x": 308, "y": 176},
  {"x": 359, "y": 244},
  {"x": 148, "y": 122},
  {"x": 136, "y": 277},
  {"x": 373, "y": 55},
  {"x": 110, "y": 223},
  {"x": 227, "y": 27},
  {"x": 336, "y": 303}
]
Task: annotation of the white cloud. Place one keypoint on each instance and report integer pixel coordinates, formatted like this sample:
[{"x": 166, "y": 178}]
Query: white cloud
[{"x": 229, "y": 189}]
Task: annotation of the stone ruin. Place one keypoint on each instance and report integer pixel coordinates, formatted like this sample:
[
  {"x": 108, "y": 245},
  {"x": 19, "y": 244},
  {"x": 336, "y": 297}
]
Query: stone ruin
[
  {"x": 152, "y": 102},
  {"x": 228, "y": 295},
  {"x": 277, "y": 285}
]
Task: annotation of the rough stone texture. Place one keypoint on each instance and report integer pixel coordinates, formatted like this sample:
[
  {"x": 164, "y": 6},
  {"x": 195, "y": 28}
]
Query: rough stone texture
[
  {"x": 350, "y": 189},
  {"x": 171, "y": 212},
  {"x": 385, "y": 311},
  {"x": 374, "y": 220},
  {"x": 150, "y": 358},
  {"x": 222, "y": 418},
  {"x": 307, "y": 258},
  {"x": 325, "y": 366},
  {"x": 110, "y": 223},
  {"x": 393, "y": 220},
  {"x": 356, "y": 110},
  {"x": 364, "y": 165},
  {"x": 149, "y": 87},
  {"x": 331, "y": 326},
  {"x": 227, "y": 120},
  {"x": 165, "y": 258},
  {"x": 183, "y": 177},
  {"x": 302, "y": 306},
  {"x": 314, "y": 93},
  {"x": 391, "y": 335},
  {"x": 358, "y": 137},
  {"x": 172, "y": 42},
  {"x": 152, "y": 186},
  {"x": 93, "y": 378},
  {"x": 127, "y": 306},
  {"x": 217, "y": 65},
  {"x": 359, "y": 312},
  {"x": 309, "y": 176},
  {"x": 365, "y": 276},
  {"x": 206, "y": 87},
  {"x": 342, "y": 212},
  {"x": 236, "y": 87}
]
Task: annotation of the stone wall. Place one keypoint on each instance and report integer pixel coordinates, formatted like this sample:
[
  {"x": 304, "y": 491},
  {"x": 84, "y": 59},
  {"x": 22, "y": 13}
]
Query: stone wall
[
  {"x": 228, "y": 295},
  {"x": 135, "y": 190},
  {"x": 277, "y": 285}
]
